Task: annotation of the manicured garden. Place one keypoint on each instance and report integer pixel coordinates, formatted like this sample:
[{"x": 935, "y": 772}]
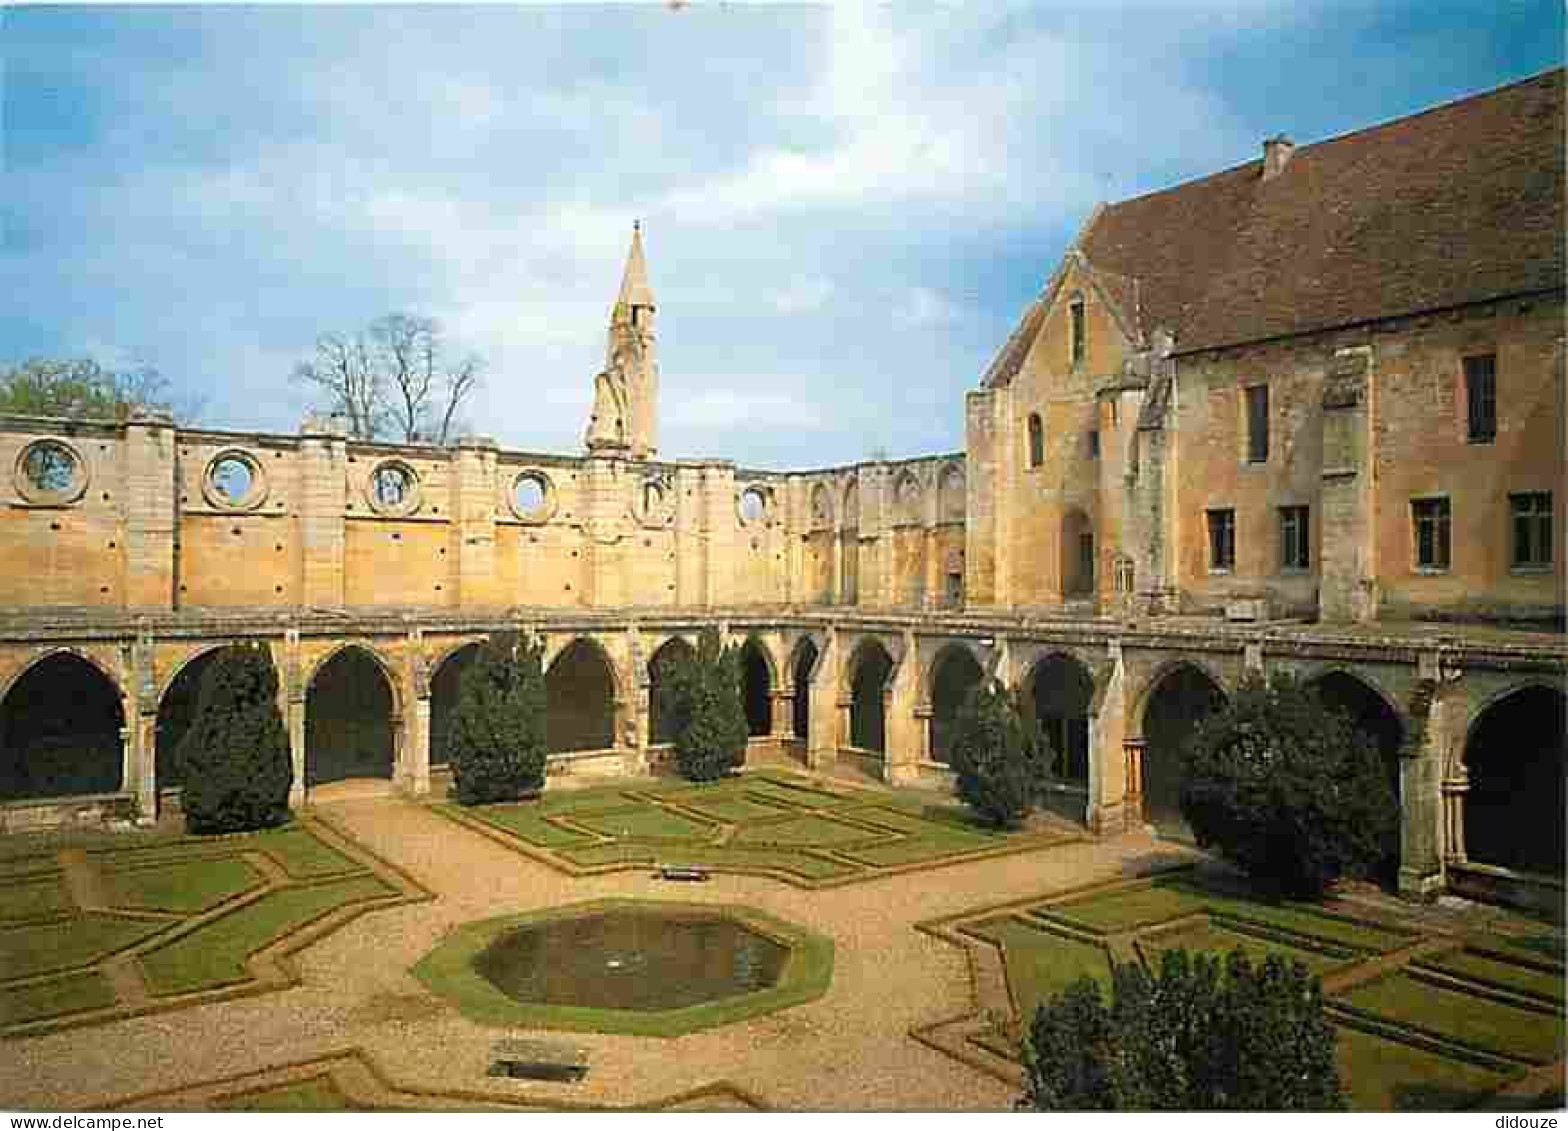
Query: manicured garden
[
  {"x": 1426, "y": 1019},
  {"x": 773, "y": 823},
  {"x": 92, "y": 934}
]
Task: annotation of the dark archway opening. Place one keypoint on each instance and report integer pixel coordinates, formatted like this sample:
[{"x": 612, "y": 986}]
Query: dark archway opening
[
  {"x": 1062, "y": 691},
  {"x": 580, "y": 691},
  {"x": 1514, "y": 809},
  {"x": 176, "y": 713},
  {"x": 664, "y": 718},
  {"x": 445, "y": 691},
  {"x": 1369, "y": 713},
  {"x": 348, "y": 720},
  {"x": 60, "y": 729},
  {"x": 805, "y": 663},
  {"x": 867, "y": 712},
  {"x": 1183, "y": 698},
  {"x": 756, "y": 683},
  {"x": 956, "y": 674}
]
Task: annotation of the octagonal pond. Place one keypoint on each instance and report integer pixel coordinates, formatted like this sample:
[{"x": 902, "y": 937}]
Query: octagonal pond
[
  {"x": 631, "y": 959},
  {"x": 650, "y": 967}
]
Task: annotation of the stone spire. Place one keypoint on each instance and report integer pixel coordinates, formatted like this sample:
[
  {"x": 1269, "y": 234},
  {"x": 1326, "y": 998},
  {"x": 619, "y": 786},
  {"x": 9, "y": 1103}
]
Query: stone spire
[{"x": 625, "y": 396}]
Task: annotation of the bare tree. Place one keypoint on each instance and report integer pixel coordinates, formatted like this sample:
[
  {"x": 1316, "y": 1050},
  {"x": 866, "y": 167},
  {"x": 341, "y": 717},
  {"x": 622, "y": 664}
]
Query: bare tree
[{"x": 394, "y": 378}]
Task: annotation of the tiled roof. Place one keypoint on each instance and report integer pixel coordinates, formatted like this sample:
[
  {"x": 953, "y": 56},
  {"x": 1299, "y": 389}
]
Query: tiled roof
[{"x": 1459, "y": 204}]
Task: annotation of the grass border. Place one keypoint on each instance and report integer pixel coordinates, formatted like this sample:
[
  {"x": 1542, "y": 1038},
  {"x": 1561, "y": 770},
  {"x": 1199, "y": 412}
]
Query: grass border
[{"x": 448, "y": 972}]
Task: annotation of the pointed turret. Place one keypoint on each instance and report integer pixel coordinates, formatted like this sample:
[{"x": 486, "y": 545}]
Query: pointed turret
[
  {"x": 635, "y": 290},
  {"x": 623, "y": 421}
]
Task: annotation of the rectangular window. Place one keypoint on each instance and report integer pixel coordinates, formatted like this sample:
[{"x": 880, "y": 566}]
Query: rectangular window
[
  {"x": 1075, "y": 309},
  {"x": 1430, "y": 518},
  {"x": 1094, "y": 444},
  {"x": 1481, "y": 397},
  {"x": 1294, "y": 543},
  {"x": 1532, "y": 520},
  {"x": 1257, "y": 424},
  {"x": 1222, "y": 539}
]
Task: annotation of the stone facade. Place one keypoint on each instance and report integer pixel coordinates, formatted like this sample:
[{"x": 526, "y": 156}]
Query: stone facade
[{"x": 1069, "y": 551}]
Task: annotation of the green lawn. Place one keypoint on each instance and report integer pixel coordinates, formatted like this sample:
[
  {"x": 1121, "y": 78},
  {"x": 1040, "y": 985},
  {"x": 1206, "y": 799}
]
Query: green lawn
[
  {"x": 29, "y": 951},
  {"x": 172, "y": 908},
  {"x": 1438, "y": 1045},
  {"x": 318, "y": 1093},
  {"x": 35, "y": 898},
  {"x": 1506, "y": 1030},
  {"x": 215, "y": 955},
  {"x": 1494, "y": 971},
  {"x": 188, "y": 887},
  {"x": 769, "y": 821},
  {"x": 1384, "y": 1075},
  {"x": 58, "y": 997},
  {"x": 1041, "y": 964}
]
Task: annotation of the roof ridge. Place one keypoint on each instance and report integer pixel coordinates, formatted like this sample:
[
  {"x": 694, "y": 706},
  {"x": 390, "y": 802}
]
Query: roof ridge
[{"x": 1553, "y": 72}]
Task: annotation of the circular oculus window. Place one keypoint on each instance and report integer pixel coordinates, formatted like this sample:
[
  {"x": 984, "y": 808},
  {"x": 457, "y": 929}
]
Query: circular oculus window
[
  {"x": 533, "y": 497},
  {"x": 392, "y": 489},
  {"x": 752, "y": 506},
  {"x": 234, "y": 481},
  {"x": 50, "y": 473}
]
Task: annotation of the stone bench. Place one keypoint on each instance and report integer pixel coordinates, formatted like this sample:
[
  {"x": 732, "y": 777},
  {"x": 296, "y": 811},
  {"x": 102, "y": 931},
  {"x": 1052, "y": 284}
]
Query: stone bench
[{"x": 531, "y": 1058}]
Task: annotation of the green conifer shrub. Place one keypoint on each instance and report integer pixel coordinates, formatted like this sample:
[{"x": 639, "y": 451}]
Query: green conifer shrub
[
  {"x": 497, "y": 742},
  {"x": 997, "y": 756},
  {"x": 1288, "y": 789},
  {"x": 1201, "y": 1035},
  {"x": 235, "y": 757},
  {"x": 705, "y": 696}
]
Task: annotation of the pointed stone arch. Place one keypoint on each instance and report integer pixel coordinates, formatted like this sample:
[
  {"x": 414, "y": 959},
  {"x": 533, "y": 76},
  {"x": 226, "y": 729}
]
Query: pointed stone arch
[
  {"x": 176, "y": 710},
  {"x": 758, "y": 677},
  {"x": 581, "y": 693},
  {"x": 446, "y": 688},
  {"x": 868, "y": 675},
  {"x": 1514, "y": 761},
  {"x": 1179, "y": 695},
  {"x": 663, "y": 721},
  {"x": 802, "y": 668},
  {"x": 352, "y": 716},
  {"x": 1060, "y": 692},
  {"x": 62, "y": 726},
  {"x": 955, "y": 672}
]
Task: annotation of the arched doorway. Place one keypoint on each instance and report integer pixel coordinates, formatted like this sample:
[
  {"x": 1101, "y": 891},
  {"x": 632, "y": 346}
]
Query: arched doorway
[
  {"x": 176, "y": 712},
  {"x": 580, "y": 693},
  {"x": 805, "y": 664},
  {"x": 1183, "y": 697},
  {"x": 349, "y": 731},
  {"x": 756, "y": 685},
  {"x": 1371, "y": 714},
  {"x": 446, "y": 688},
  {"x": 1077, "y": 554},
  {"x": 1062, "y": 690},
  {"x": 869, "y": 673},
  {"x": 664, "y": 723},
  {"x": 1514, "y": 808},
  {"x": 953, "y": 676},
  {"x": 60, "y": 732}
]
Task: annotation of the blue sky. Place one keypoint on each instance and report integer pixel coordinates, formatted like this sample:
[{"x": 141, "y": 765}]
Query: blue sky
[{"x": 845, "y": 209}]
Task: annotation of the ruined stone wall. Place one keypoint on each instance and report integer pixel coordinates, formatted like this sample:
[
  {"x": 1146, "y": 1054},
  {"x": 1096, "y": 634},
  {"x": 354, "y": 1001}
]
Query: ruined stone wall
[{"x": 146, "y": 516}]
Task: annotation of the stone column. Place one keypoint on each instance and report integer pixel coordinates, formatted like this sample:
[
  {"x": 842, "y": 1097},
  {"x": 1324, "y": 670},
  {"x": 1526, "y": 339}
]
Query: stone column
[
  {"x": 826, "y": 709},
  {"x": 473, "y": 506},
  {"x": 293, "y": 691},
  {"x": 150, "y": 511},
  {"x": 413, "y": 771},
  {"x": 1132, "y": 754},
  {"x": 320, "y": 503},
  {"x": 141, "y": 755},
  {"x": 783, "y": 712}
]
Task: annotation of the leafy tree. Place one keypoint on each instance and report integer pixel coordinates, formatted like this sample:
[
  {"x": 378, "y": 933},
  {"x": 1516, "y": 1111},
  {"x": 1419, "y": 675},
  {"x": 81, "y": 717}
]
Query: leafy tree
[
  {"x": 997, "y": 756},
  {"x": 705, "y": 698},
  {"x": 235, "y": 758},
  {"x": 1288, "y": 789},
  {"x": 497, "y": 740},
  {"x": 394, "y": 378},
  {"x": 82, "y": 389},
  {"x": 1198, "y": 1036}
]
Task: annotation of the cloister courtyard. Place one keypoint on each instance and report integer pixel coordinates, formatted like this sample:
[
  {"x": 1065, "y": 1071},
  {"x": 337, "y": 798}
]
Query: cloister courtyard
[{"x": 292, "y": 969}]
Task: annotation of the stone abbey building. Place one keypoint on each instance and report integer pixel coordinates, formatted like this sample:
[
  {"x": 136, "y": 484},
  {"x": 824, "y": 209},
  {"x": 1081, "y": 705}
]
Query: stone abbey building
[{"x": 1305, "y": 414}]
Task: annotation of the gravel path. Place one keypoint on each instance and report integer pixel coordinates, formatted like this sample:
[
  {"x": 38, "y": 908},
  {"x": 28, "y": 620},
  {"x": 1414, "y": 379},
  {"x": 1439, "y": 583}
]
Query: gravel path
[{"x": 849, "y": 1050}]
